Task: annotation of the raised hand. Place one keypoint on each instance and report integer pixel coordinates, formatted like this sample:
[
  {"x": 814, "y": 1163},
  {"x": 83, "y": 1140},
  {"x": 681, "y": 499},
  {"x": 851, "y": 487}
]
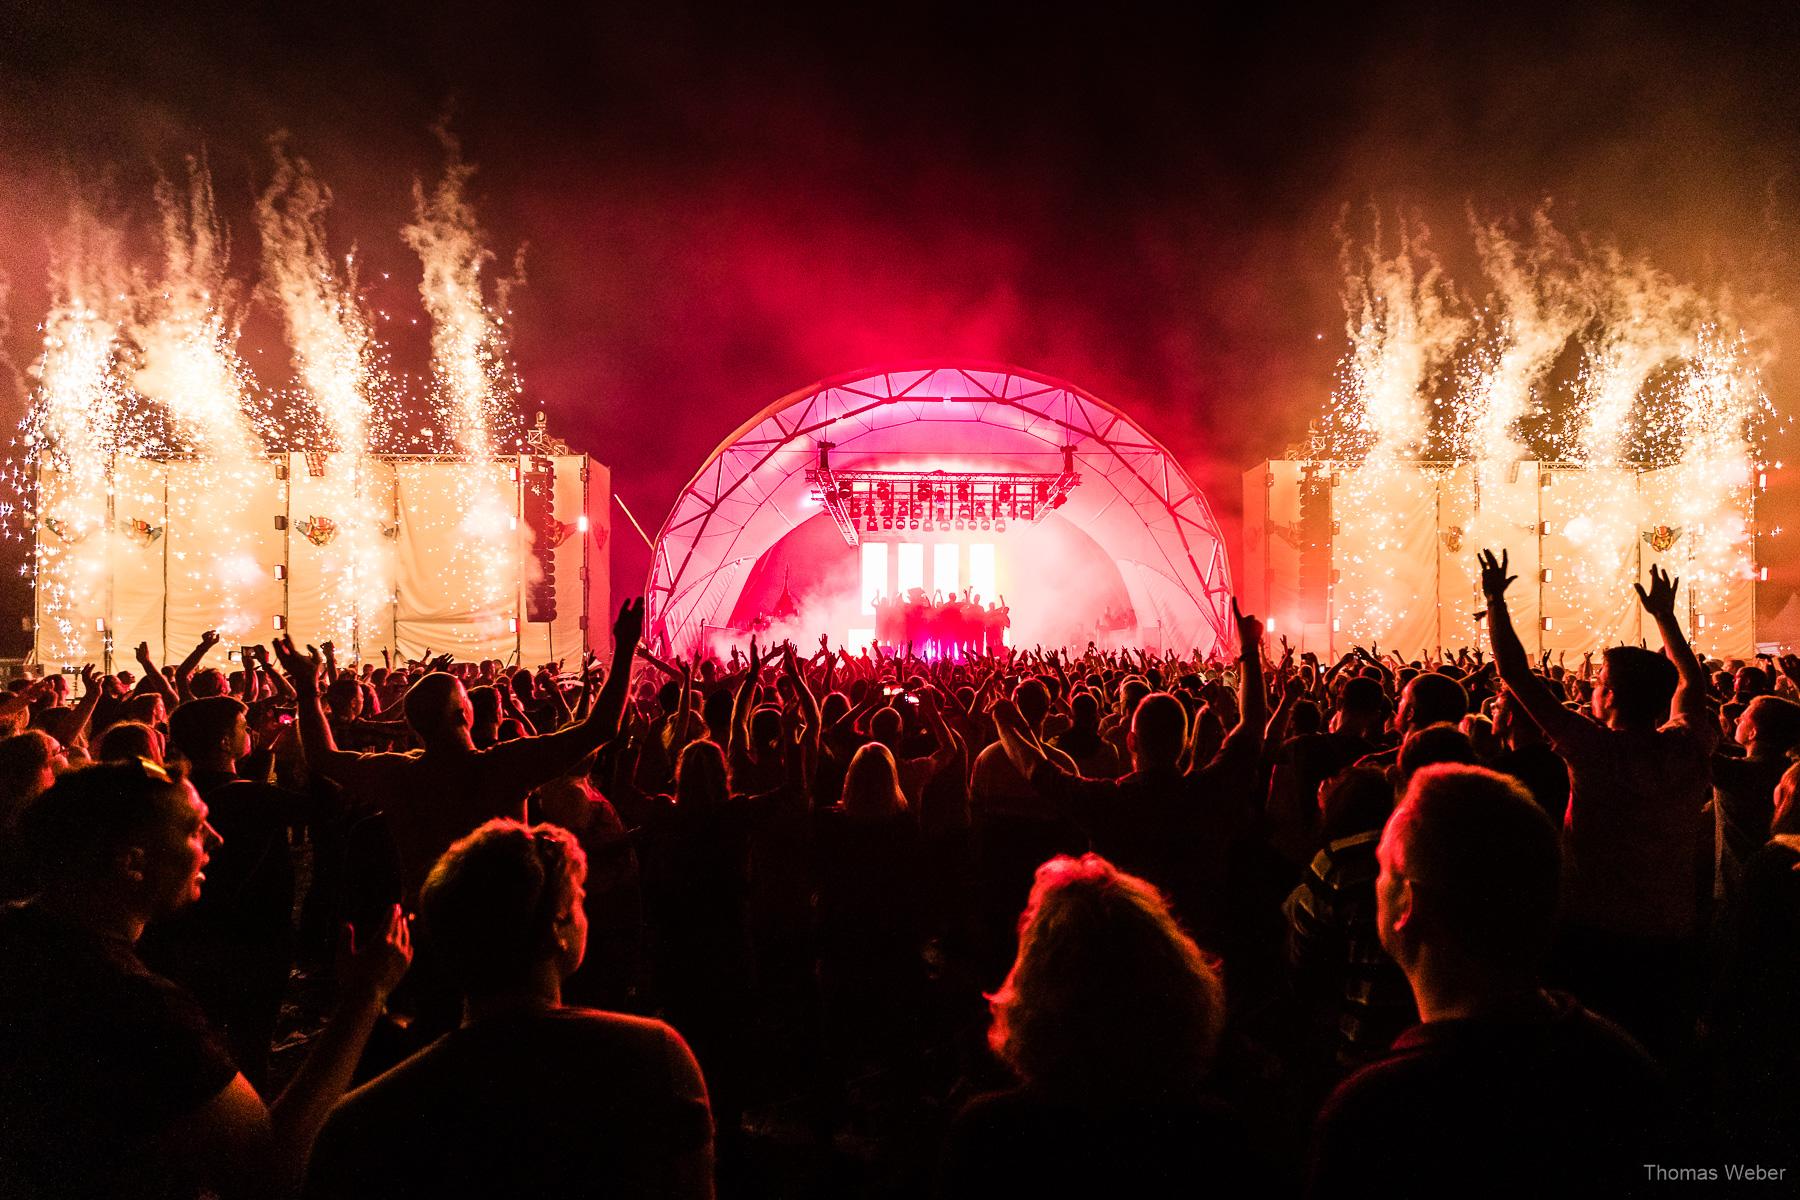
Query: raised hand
[
  {"x": 629, "y": 627},
  {"x": 143, "y": 656},
  {"x": 1659, "y": 601},
  {"x": 301, "y": 669},
  {"x": 1249, "y": 629},
  {"x": 374, "y": 968},
  {"x": 90, "y": 681},
  {"x": 1006, "y": 713},
  {"x": 1494, "y": 579},
  {"x": 210, "y": 638}
]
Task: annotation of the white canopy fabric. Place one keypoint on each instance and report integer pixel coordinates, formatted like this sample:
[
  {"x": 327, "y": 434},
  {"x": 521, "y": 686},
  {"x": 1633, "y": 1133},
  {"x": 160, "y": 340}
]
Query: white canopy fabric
[{"x": 1134, "y": 499}]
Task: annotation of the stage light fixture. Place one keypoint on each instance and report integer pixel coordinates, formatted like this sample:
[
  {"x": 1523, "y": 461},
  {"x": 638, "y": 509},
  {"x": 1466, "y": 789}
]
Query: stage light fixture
[
  {"x": 986, "y": 524},
  {"x": 1000, "y": 525},
  {"x": 915, "y": 522}
]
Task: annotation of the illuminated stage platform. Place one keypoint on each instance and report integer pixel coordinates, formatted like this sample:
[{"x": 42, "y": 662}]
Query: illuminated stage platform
[
  {"x": 1337, "y": 555},
  {"x": 147, "y": 565},
  {"x": 946, "y": 477}
]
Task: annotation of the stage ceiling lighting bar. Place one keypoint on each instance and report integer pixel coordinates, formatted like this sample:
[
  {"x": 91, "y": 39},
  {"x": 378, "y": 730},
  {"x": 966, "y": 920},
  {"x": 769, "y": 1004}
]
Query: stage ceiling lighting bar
[{"x": 889, "y": 503}]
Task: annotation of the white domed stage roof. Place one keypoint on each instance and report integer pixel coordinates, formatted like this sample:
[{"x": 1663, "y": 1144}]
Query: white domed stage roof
[{"x": 1134, "y": 501}]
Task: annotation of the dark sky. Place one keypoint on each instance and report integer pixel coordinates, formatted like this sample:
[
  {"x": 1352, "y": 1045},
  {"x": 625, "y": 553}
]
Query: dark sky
[{"x": 719, "y": 208}]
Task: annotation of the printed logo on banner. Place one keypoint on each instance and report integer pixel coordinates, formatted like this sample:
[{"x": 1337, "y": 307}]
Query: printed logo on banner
[
  {"x": 318, "y": 530},
  {"x": 1662, "y": 537},
  {"x": 1453, "y": 538},
  {"x": 64, "y": 532},
  {"x": 140, "y": 531}
]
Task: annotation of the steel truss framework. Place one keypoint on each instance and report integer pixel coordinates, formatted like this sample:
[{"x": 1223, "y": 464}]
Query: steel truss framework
[
  {"x": 894, "y": 503},
  {"x": 1135, "y": 500}
]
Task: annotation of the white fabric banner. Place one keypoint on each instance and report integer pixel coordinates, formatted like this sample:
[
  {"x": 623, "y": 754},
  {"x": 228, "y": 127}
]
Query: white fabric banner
[
  {"x": 440, "y": 565},
  {"x": 139, "y": 563}
]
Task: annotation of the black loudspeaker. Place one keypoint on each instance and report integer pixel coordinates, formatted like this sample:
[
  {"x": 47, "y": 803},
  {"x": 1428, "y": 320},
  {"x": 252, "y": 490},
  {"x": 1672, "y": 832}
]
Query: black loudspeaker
[{"x": 546, "y": 531}]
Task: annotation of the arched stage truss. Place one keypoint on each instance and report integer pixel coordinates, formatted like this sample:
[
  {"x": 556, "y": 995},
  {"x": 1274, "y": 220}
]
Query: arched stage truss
[{"x": 1134, "y": 501}]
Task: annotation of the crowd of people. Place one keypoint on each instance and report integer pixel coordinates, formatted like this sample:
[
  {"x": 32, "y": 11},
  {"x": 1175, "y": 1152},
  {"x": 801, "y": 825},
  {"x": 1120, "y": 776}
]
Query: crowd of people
[
  {"x": 956, "y": 626},
  {"x": 992, "y": 922}
]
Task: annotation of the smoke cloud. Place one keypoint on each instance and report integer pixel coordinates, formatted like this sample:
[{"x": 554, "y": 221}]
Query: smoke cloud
[{"x": 723, "y": 213}]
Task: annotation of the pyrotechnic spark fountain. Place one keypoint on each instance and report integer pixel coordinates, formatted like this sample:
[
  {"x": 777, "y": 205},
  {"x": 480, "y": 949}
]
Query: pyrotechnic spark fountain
[
  {"x": 475, "y": 383},
  {"x": 76, "y": 427},
  {"x": 146, "y": 471},
  {"x": 333, "y": 345},
  {"x": 1719, "y": 400},
  {"x": 187, "y": 331},
  {"x": 1667, "y": 380},
  {"x": 1403, "y": 326},
  {"x": 1536, "y": 304}
]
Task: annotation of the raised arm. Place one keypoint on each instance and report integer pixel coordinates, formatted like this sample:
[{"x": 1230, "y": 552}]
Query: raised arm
[
  {"x": 667, "y": 668},
  {"x": 510, "y": 703},
  {"x": 809, "y": 704},
  {"x": 684, "y": 716},
  {"x": 1694, "y": 692},
  {"x": 1510, "y": 657},
  {"x": 154, "y": 680},
  {"x": 558, "y": 701},
  {"x": 367, "y": 975},
  {"x": 948, "y": 745},
  {"x": 279, "y": 688},
  {"x": 738, "y": 740},
  {"x": 538, "y": 760},
  {"x": 84, "y": 708},
  {"x": 320, "y": 748},
  {"x": 191, "y": 663},
  {"x": 1243, "y": 744}
]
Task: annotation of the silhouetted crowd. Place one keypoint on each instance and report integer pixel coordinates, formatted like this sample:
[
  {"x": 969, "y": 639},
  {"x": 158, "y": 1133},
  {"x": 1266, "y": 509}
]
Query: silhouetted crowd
[
  {"x": 940, "y": 626},
  {"x": 985, "y": 922}
]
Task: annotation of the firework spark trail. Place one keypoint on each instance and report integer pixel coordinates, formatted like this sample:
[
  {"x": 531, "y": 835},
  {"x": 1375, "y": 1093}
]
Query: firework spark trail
[
  {"x": 1645, "y": 324},
  {"x": 333, "y": 344},
  {"x": 1717, "y": 401},
  {"x": 1537, "y": 306},
  {"x": 476, "y": 387},
  {"x": 187, "y": 330},
  {"x": 1537, "y": 302},
  {"x": 1403, "y": 325},
  {"x": 1659, "y": 386},
  {"x": 76, "y": 427}
]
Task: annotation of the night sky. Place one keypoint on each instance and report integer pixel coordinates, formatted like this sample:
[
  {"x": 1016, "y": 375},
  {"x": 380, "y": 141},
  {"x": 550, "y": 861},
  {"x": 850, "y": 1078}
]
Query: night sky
[{"x": 719, "y": 208}]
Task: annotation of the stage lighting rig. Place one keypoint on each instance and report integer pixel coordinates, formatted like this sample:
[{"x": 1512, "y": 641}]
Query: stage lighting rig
[{"x": 964, "y": 500}]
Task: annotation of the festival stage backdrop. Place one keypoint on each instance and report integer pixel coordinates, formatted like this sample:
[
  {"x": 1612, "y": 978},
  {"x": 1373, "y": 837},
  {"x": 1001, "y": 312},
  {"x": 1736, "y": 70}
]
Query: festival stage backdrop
[
  {"x": 386, "y": 552},
  {"x": 1338, "y": 555}
]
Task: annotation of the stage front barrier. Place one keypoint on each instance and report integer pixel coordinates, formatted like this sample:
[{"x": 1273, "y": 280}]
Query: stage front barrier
[
  {"x": 1392, "y": 555},
  {"x": 363, "y": 553}
]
